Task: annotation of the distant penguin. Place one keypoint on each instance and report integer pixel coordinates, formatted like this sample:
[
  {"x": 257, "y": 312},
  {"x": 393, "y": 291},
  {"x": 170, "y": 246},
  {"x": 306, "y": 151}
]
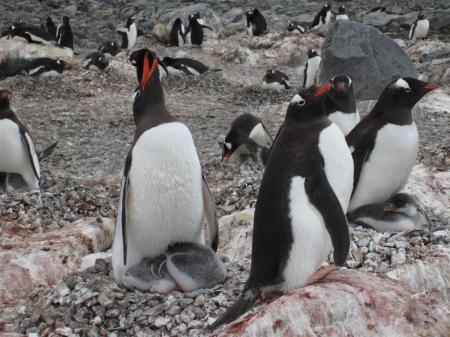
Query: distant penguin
[
  {"x": 128, "y": 34},
  {"x": 183, "y": 65},
  {"x": 164, "y": 196},
  {"x": 177, "y": 33},
  {"x": 340, "y": 105},
  {"x": 342, "y": 15},
  {"x": 64, "y": 35},
  {"x": 96, "y": 60},
  {"x": 256, "y": 23},
  {"x": 377, "y": 9},
  {"x": 301, "y": 205},
  {"x": 32, "y": 34},
  {"x": 195, "y": 31},
  {"x": 295, "y": 26},
  {"x": 311, "y": 68},
  {"x": 246, "y": 134},
  {"x": 109, "y": 48},
  {"x": 323, "y": 17},
  {"x": 45, "y": 67},
  {"x": 275, "y": 80},
  {"x": 50, "y": 27},
  {"x": 17, "y": 151},
  {"x": 419, "y": 29},
  {"x": 385, "y": 143},
  {"x": 199, "y": 19},
  {"x": 402, "y": 212}
]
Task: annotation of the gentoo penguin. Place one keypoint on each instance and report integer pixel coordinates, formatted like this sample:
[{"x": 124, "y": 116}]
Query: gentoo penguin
[
  {"x": 45, "y": 67},
  {"x": 323, "y": 17},
  {"x": 64, "y": 35},
  {"x": 342, "y": 15},
  {"x": 199, "y": 19},
  {"x": 50, "y": 27},
  {"x": 311, "y": 68},
  {"x": 246, "y": 134},
  {"x": 295, "y": 26},
  {"x": 340, "y": 105},
  {"x": 164, "y": 197},
  {"x": 275, "y": 80},
  {"x": 96, "y": 60},
  {"x": 183, "y": 65},
  {"x": 128, "y": 34},
  {"x": 17, "y": 151},
  {"x": 109, "y": 48},
  {"x": 195, "y": 30},
  {"x": 419, "y": 29},
  {"x": 402, "y": 212},
  {"x": 385, "y": 143},
  {"x": 256, "y": 23},
  {"x": 301, "y": 206},
  {"x": 32, "y": 34},
  {"x": 177, "y": 33}
]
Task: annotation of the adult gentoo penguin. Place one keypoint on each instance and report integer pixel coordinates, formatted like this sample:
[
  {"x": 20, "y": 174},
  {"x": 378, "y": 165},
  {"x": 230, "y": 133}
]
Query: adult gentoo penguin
[
  {"x": 402, "y": 212},
  {"x": 164, "y": 196},
  {"x": 96, "y": 60},
  {"x": 385, "y": 143},
  {"x": 340, "y": 105},
  {"x": 177, "y": 33},
  {"x": 45, "y": 67},
  {"x": 31, "y": 34},
  {"x": 50, "y": 27},
  {"x": 64, "y": 35},
  {"x": 342, "y": 14},
  {"x": 323, "y": 17},
  {"x": 184, "y": 65},
  {"x": 109, "y": 48},
  {"x": 256, "y": 23},
  {"x": 295, "y": 26},
  {"x": 128, "y": 34},
  {"x": 17, "y": 151},
  {"x": 300, "y": 212},
  {"x": 311, "y": 68},
  {"x": 419, "y": 29},
  {"x": 195, "y": 31},
  {"x": 246, "y": 134},
  {"x": 275, "y": 80}
]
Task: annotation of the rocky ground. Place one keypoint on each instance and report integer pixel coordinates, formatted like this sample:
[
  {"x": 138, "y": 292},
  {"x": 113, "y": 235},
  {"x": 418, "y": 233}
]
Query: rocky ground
[{"x": 89, "y": 114}]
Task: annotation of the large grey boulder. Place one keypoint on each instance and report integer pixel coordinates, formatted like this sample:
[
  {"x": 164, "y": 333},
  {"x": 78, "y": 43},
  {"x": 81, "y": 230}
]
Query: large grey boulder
[{"x": 371, "y": 58}]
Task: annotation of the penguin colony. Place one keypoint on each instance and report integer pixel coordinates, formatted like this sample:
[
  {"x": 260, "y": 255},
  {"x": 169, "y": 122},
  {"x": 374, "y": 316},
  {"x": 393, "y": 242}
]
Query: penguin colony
[{"x": 325, "y": 168}]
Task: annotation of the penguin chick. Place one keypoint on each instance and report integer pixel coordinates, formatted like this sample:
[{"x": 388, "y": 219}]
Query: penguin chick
[
  {"x": 275, "y": 80},
  {"x": 96, "y": 60}
]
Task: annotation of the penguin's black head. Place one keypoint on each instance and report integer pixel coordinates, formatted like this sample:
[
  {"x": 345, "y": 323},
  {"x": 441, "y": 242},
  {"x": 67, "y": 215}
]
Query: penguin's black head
[
  {"x": 4, "y": 99},
  {"x": 65, "y": 20},
  {"x": 130, "y": 21},
  {"x": 312, "y": 53},
  {"x": 101, "y": 61},
  {"x": 192, "y": 18},
  {"x": 146, "y": 63},
  {"x": 227, "y": 150},
  {"x": 177, "y": 22},
  {"x": 307, "y": 104},
  {"x": 327, "y": 7},
  {"x": 197, "y": 15},
  {"x": 291, "y": 27},
  {"x": 341, "y": 9},
  {"x": 168, "y": 61},
  {"x": 421, "y": 16},
  {"x": 408, "y": 205},
  {"x": 341, "y": 85},
  {"x": 58, "y": 65},
  {"x": 49, "y": 20}
]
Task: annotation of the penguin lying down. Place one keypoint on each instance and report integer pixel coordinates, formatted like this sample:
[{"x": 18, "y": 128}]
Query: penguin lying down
[
  {"x": 402, "y": 212},
  {"x": 185, "y": 266}
]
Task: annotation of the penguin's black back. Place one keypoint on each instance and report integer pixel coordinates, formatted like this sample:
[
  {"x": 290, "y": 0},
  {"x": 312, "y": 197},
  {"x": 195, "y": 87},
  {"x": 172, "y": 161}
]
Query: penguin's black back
[
  {"x": 243, "y": 125},
  {"x": 197, "y": 65},
  {"x": 174, "y": 32},
  {"x": 196, "y": 32}
]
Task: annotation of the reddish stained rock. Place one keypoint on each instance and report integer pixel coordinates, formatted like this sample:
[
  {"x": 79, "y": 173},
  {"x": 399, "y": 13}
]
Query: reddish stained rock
[
  {"x": 39, "y": 260},
  {"x": 347, "y": 303}
]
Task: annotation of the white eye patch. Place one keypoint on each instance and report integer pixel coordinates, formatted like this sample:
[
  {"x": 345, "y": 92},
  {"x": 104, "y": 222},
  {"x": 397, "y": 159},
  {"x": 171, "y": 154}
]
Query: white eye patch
[
  {"x": 401, "y": 83},
  {"x": 228, "y": 145},
  {"x": 297, "y": 98},
  {"x": 349, "y": 81}
]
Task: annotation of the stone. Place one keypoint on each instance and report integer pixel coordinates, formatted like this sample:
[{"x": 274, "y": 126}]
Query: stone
[
  {"x": 371, "y": 58},
  {"x": 15, "y": 48},
  {"x": 234, "y": 15},
  {"x": 378, "y": 19},
  {"x": 440, "y": 20}
]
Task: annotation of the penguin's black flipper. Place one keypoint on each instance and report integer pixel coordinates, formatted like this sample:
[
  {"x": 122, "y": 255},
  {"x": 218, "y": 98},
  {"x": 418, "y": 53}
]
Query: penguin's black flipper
[
  {"x": 46, "y": 152},
  {"x": 29, "y": 145},
  {"x": 305, "y": 73},
  {"x": 210, "y": 215},
  {"x": 322, "y": 196},
  {"x": 123, "y": 198},
  {"x": 240, "y": 307},
  {"x": 206, "y": 27}
]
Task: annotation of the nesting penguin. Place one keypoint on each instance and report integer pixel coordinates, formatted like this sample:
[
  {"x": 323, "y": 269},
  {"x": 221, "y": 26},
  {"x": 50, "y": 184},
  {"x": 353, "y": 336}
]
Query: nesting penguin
[
  {"x": 300, "y": 211},
  {"x": 31, "y": 34},
  {"x": 340, "y": 105},
  {"x": 50, "y": 27},
  {"x": 323, "y": 17},
  {"x": 177, "y": 33},
  {"x": 195, "y": 31},
  {"x": 45, "y": 67},
  {"x": 385, "y": 143},
  {"x": 164, "y": 197},
  {"x": 128, "y": 34},
  {"x": 342, "y": 14},
  {"x": 184, "y": 66},
  {"x": 419, "y": 29},
  {"x": 311, "y": 68},
  {"x": 110, "y": 48},
  {"x": 246, "y": 134},
  {"x": 64, "y": 35},
  {"x": 275, "y": 80},
  {"x": 97, "y": 61},
  {"x": 256, "y": 23},
  {"x": 294, "y": 26}
]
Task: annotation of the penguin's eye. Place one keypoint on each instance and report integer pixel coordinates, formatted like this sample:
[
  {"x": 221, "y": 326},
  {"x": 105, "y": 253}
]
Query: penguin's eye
[
  {"x": 301, "y": 102},
  {"x": 137, "y": 93},
  {"x": 407, "y": 90}
]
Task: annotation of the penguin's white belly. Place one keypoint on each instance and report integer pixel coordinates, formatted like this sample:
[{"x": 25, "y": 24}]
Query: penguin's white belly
[
  {"x": 403, "y": 224},
  {"x": 50, "y": 73},
  {"x": 313, "y": 66},
  {"x": 38, "y": 39},
  {"x": 193, "y": 71},
  {"x": 273, "y": 86},
  {"x": 132, "y": 36},
  {"x": 421, "y": 29},
  {"x": 172, "y": 71},
  {"x": 345, "y": 121},
  {"x": 341, "y": 17},
  {"x": 328, "y": 17},
  {"x": 250, "y": 29},
  {"x": 259, "y": 135},
  {"x": 389, "y": 165},
  {"x": 311, "y": 241}
]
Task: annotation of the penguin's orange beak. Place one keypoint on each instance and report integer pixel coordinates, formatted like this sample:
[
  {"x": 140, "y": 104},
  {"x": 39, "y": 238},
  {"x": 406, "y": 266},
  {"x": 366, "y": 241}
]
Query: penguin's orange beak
[
  {"x": 389, "y": 209},
  {"x": 148, "y": 71},
  {"x": 431, "y": 86},
  {"x": 227, "y": 156},
  {"x": 323, "y": 89}
]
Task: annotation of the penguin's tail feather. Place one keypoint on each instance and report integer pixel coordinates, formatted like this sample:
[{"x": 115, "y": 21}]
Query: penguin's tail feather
[
  {"x": 263, "y": 154},
  {"x": 46, "y": 152},
  {"x": 240, "y": 307}
]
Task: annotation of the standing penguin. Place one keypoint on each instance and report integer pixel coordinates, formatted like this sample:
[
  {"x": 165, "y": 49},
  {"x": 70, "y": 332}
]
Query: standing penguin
[
  {"x": 385, "y": 143},
  {"x": 246, "y": 134},
  {"x": 275, "y": 80},
  {"x": 176, "y": 33},
  {"x": 342, "y": 15},
  {"x": 419, "y": 29},
  {"x": 164, "y": 196},
  {"x": 50, "y": 27},
  {"x": 311, "y": 68},
  {"x": 195, "y": 29},
  {"x": 199, "y": 19},
  {"x": 340, "y": 105},
  {"x": 64, "y": 35},
  {"x": 295, "y": 26},
  {"x": 129, "y": 34},
  {"x": 300, "y": 212},
  {"x": 323, "y": 17},
  {"x": 17, "y": 151},
  {"x": 256, "y": 23}
]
